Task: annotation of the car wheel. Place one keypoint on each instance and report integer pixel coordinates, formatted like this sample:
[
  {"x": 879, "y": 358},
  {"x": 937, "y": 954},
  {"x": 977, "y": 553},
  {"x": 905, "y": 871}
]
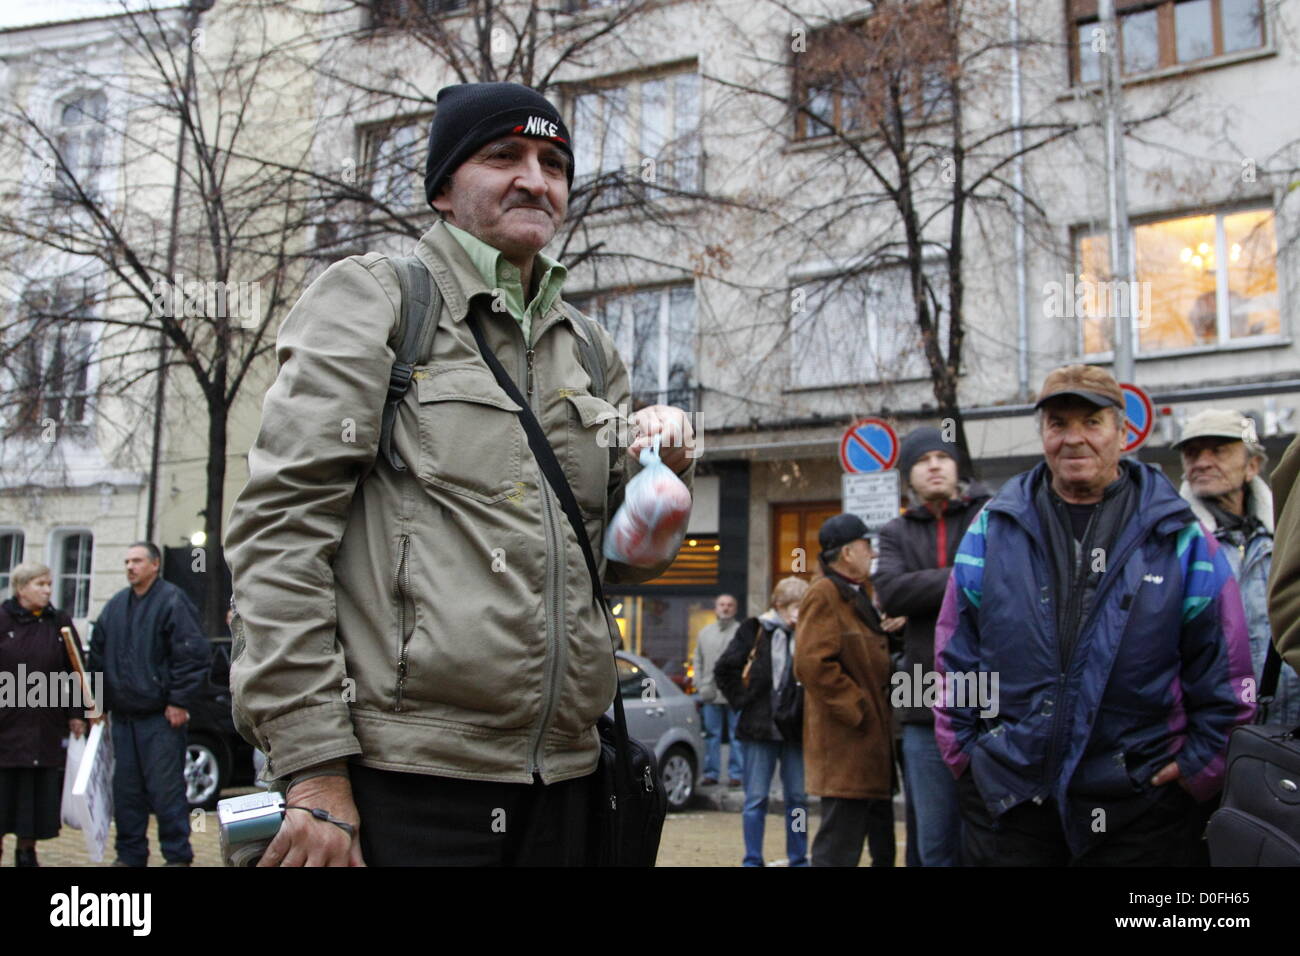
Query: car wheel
[
  {"x": 206, "y": 771},
  {"x": 678, "y": 777}
]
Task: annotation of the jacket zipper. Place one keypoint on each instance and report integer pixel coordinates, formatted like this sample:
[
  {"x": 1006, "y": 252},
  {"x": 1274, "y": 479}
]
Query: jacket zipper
[
  {"x": 1097, "y": 602},
  {"x": 402, "y": 587},
  {"x": 554, "y": 541}
]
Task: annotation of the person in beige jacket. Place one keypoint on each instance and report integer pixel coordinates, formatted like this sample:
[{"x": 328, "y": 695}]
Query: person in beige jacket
[{"x": 418, "y": 651}]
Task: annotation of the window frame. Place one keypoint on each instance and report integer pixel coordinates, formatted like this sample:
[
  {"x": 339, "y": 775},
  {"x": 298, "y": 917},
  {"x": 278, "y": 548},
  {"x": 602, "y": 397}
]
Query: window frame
[
  {"x": 372, "y": 137},
  {"x": 49, "y": 325},
  {"x": 59, "y": 538},
  {"x": 665, "y": 393},
  {"x": 6, "y": 577},
  {"x": 828, "y": 274},
  {"x": 1223, "y": 320},
  {"x": 94, "y": 131},
  {"x": 676, "y": 147},
  {"x": 1166, "y": 39},
  {"x": 917, "y": 114}
]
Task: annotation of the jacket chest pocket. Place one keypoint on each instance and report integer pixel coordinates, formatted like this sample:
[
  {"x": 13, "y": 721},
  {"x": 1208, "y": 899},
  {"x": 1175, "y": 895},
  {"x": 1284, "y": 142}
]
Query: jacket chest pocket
[
  {"x": 590, "y": 442},
  {"x": 470, "y": 436}
]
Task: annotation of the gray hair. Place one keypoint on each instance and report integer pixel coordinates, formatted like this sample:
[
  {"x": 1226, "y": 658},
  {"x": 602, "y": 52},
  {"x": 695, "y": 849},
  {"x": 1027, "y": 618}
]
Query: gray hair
[{"x": 27, "y": 572}]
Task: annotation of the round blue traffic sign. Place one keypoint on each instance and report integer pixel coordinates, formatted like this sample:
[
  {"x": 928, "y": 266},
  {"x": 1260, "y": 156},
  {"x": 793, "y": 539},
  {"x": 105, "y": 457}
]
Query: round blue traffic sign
[
  {"x": 1140, "y": 414},
  {"x": 869, "y": 444}
]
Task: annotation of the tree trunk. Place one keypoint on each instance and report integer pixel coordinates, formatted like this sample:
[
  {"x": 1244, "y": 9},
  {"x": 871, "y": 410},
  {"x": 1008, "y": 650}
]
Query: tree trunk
[{"x": 214, "y": 611}]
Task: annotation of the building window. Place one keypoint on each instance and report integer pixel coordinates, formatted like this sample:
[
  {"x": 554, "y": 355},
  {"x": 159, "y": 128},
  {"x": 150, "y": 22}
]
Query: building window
[
  {"x": 841, "y": 81},
  {"x": 654, "y": 330},
  {"x": 1154, "y": 36},
  {"x": 50, "y": 364},
  {"x": 861, "y": 328},
  {"x": 395, "y": 159},
  {"x": 11, "y": 555},
  {"x": 73, "y": 554},
  {"x": 1202, "y": 281},
  {"x": 638, "y": 140},
  {"x": 394, "y": 13},
  {"x": 79, "y": 139}
]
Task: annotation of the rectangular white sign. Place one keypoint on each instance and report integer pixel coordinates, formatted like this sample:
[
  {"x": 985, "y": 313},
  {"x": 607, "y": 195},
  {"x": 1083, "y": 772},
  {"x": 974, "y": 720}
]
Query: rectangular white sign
[
  {"x": 873, "y": 497},
  {"x": 92, "y": 792}
]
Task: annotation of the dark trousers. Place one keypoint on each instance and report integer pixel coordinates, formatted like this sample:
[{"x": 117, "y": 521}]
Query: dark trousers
[
  {"x": 845, "y": 824},
  {"x": 413, "y": 819},
  {"x": 1167, "y": 833},
  {"x": 149, "y": 775}
]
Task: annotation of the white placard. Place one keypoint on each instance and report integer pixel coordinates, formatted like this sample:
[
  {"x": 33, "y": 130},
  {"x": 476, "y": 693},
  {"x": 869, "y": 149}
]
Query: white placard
[
  {"x": 873, "y": 497},
  {"x": 92, "y": 792}
]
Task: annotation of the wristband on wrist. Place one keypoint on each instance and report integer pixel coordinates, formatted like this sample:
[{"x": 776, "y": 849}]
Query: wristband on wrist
[{"x": 325, "y": 815}]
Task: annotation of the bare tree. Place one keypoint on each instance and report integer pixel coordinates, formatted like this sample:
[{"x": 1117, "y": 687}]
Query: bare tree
[
  {"x": 174, "y": 242},
  {"x": 904, "y": 112}
]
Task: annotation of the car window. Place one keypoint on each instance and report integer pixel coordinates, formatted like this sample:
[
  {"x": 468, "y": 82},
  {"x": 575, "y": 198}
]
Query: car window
[{"x": 634, "y": 683}]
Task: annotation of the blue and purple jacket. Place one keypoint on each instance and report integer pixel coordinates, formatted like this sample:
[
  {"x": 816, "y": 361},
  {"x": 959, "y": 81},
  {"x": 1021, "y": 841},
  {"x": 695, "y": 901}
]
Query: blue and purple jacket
[{"x": 1160, "y": 671}]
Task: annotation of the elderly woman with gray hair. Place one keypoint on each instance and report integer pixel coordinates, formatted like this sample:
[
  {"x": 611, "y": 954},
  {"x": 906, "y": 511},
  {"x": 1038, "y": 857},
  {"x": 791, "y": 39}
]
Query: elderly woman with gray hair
[{"x": 32, "y": 737}]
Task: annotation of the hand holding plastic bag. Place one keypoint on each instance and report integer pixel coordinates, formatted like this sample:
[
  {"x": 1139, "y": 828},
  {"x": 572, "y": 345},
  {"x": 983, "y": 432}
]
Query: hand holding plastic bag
[{"x": 649, "y": 526}]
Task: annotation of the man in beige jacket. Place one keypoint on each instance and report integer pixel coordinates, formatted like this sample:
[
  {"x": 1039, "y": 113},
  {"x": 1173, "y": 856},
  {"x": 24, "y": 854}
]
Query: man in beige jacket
[{"x": 418, "y": 650}]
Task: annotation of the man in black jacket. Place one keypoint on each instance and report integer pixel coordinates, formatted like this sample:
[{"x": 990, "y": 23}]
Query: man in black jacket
[
  {"x": 915, "y": 558},
  {"x": 154, "y": 657}
]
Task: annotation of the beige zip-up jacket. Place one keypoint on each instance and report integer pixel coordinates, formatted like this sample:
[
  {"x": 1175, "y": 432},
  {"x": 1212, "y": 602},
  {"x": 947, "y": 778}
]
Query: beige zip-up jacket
[{"x": 438, "y": 620}]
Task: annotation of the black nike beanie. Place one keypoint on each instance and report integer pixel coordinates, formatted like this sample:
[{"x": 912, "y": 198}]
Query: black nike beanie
[{"x": 472, "y": 114}]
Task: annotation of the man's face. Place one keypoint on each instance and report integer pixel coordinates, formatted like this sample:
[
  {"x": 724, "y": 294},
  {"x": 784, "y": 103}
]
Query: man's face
[
  {"x": 725, "y": 607},
  {"x": 1082, "y": 443},
  {"x": 140, "y": 568},
  {"x": 512, "y": 194},
  {"x": 1217, "y": 466},
  {"x": 934, "y": 476},
  {"x": 856, "y": 556}
]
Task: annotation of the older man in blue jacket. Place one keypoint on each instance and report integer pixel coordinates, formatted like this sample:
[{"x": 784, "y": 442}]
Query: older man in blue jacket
[{"x": 1115, "y": 629}]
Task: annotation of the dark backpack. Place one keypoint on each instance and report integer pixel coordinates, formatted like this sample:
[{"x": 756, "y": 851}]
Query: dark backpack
[{"x": 421, "y": 303}]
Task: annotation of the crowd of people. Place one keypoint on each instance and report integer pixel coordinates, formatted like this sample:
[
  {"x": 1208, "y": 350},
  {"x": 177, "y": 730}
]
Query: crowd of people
[{"x": 1124, "y": 623}]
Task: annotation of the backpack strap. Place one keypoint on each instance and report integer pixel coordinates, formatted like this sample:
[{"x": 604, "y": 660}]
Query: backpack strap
[
  {"x": 593, "y": 356},
  {"x": 421, "y": 303}
]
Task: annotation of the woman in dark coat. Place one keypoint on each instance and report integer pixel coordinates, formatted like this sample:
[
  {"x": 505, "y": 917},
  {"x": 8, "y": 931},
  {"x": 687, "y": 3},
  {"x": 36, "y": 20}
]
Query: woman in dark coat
[
  {"x": 32, "y": 752},
  {"x": 771, "y": 639}
]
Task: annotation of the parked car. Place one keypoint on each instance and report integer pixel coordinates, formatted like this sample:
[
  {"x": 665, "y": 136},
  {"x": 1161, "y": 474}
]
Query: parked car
[
  {"x": 217, "y": 757},
  {"x": 666, "y": 720}
]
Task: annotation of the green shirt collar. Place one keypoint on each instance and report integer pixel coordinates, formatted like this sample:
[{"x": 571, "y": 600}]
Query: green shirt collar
[{"x": 501, "y": 274}]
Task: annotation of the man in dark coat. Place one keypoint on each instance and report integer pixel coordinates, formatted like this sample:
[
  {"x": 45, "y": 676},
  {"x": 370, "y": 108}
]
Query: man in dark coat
[
  {"x": 913, "y": 564},
  {"x": 154, "y": 657}
]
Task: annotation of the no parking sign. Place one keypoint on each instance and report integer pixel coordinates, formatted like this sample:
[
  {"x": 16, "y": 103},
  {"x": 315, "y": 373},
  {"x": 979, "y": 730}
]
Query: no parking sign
[
  {"x": 868, "y": 445},
  {"x": 1140, "y": 415}
]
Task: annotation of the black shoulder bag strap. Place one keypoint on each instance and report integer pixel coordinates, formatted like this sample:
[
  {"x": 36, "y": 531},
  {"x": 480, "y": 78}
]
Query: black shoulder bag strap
[
  {"x": 550, "y": 467},
  {"x": 421, "y": 303},
  {"x": 1268, "y": 683}
]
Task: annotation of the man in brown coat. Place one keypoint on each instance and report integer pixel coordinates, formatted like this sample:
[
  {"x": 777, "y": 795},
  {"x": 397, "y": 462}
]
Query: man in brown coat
[{"x": 842, "y": 659}]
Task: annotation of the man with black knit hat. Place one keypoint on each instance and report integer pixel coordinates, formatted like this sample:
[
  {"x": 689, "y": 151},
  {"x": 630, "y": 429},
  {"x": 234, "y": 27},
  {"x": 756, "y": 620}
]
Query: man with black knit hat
[
  {"x": 912, "y": 569},
  {"x": 418, "y": 651}
]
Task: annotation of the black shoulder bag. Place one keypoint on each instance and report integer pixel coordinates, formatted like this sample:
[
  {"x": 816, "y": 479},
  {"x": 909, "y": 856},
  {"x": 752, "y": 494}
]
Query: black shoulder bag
[{"x": 629, "y": 802}]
